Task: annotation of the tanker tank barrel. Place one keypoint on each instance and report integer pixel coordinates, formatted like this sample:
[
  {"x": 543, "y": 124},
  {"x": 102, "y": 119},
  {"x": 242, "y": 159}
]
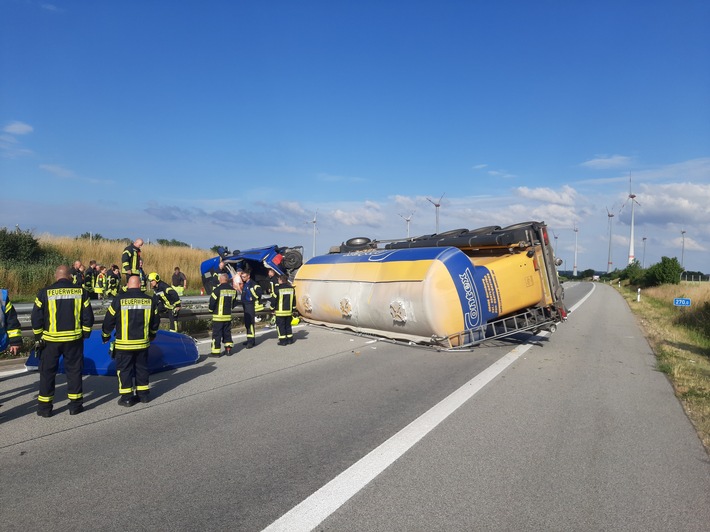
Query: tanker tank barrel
[{"x": 453, "y": 288}]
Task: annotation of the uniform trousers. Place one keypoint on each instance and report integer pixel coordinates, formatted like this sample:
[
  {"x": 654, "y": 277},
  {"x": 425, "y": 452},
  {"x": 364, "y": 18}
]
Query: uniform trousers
[
  {"x": 170, "y": 314},
  {"x": 73, "y": 353},
  {"x": 221, "y": 332},
  {"x": 132, "y": 367},
  {"x": 283, "y": 327},
  {"x": 249, "y": 321}
]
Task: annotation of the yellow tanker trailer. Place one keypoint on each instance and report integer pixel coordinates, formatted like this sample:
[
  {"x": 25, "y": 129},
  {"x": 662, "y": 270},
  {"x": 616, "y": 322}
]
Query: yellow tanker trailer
[{"x": 451, "y": 290}]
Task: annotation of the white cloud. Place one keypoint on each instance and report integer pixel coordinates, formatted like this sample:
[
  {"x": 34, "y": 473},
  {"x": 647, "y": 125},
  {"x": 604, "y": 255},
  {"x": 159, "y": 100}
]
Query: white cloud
[
  {"x": 504, "y": 174},
  {"x": 480, "y": 166},
  {"x": 18, "y": 128},
  {"x": 691, "y": 171},
  {"x": 565, "y": 196},
  {"x": 666, "y": 209},
  {"x": 10, "y": 147},
  {"x": 58, "y": 170},
  {"x": 675, "y": 203},
  {"x": 368, "y": 215},
  {"x": 50, "y": 7},
  {"x": 65, "y": 173},
  {"x": 604, "y": 162},
  {"x": 292, "y": 207},
  {"x": 690, "y": 244}
]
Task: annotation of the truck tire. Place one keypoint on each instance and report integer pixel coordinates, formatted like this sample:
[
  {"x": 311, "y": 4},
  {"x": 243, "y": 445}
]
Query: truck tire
[
  {"x": 358, "y": 242},
  {"x": 292, "y": 259}
]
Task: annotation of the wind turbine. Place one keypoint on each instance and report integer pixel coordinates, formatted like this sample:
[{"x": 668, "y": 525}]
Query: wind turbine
[
  {"x": 314, "y": 222},
  {"x": 608, "y": 263},
  {"x": 574, "y": 269},
  {"x": 437, "y": 205},
  {"x": 682, "y": 249},
  {"x": 554, "y": 250},
  {"x": 632, "y": 198},
  {"x": 408, "y": 219}
]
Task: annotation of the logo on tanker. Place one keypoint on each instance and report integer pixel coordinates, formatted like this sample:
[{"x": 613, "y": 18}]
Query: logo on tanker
[
  {"x": 380, "y": 256},
  {"x": 472, "y": 317}
]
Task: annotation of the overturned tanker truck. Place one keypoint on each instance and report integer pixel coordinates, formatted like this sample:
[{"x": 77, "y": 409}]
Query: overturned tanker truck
[{"x": 451, "y": 290}]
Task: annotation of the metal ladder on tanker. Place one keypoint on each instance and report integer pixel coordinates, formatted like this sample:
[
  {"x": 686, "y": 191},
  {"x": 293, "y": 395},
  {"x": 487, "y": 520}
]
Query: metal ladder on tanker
[{"x": 533, "y": 319}]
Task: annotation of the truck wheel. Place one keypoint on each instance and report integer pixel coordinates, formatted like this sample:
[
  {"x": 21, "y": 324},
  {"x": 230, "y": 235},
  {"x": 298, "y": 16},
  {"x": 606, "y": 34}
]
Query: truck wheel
[
  {"x": 484, "y": 230},
  {"x": 292, "y": 259},
  {"x": 517, "y": 226},
  {"x": 358, "y": 241},
  {"x": 453, "y": 232}
]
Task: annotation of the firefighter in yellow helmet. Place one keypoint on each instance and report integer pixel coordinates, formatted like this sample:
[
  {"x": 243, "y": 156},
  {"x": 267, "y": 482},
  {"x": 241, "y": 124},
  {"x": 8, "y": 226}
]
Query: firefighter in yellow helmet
[{"x": 166, "y": 299}]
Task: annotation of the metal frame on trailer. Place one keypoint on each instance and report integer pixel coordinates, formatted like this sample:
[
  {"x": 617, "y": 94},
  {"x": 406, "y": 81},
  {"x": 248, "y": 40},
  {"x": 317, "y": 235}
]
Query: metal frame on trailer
[{"x": 534, "y": 319}]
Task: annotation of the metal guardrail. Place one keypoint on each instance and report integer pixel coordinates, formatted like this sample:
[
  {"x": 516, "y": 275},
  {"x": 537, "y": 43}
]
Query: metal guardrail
[{"x": 193, "y": 308}]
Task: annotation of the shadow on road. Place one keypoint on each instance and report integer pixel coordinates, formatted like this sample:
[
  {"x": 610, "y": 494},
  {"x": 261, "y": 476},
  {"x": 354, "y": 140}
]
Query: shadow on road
[{"x": 98, "y": 389}]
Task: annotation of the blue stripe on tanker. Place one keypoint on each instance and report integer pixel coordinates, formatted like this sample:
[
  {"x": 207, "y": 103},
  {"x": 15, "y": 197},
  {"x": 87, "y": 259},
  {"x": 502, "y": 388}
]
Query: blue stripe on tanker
[{"x": 471, "y": 282}]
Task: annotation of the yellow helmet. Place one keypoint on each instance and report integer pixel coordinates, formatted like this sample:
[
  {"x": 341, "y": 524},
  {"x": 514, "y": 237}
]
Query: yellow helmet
[{"x": 153, "y": 277}]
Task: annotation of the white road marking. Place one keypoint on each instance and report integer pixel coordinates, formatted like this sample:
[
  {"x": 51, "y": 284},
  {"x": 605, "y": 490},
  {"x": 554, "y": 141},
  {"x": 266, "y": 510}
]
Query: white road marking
[
  {"x": 315, "y": 509},
  {"x": 579, "y": 303},
  {"x": 9, "y": 372}
]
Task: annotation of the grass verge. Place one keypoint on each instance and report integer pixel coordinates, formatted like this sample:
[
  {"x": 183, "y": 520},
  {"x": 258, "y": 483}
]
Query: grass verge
[{"x": 680, "y": 338}]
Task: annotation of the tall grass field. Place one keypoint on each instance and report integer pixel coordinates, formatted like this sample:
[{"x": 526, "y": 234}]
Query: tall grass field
[{"x": 24, "y": 280}]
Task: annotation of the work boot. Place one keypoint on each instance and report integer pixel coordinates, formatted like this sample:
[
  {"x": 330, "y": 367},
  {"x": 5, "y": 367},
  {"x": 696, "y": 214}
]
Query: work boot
[
  {"x": 75, "y": 409},
  {"x": 250, "y": 344},
  {"x": 228, "y": 351},
  {"x": 44, "y": 412},
  {"x": 282, "y": 342},
  {"x": 127, "y": 400},
  {"x": 291, "y": 340},
  {"x": 144, "y": 398},
  {"x": 216, "y": 355}
]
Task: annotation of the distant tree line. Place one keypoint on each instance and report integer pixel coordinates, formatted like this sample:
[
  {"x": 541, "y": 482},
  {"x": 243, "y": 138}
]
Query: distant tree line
[
  {"x": 172, "y": 242},
  {"x": 20, "y": 246},
  {"x": 160, "y": 241},
  {"x": 668, "y": 271}
]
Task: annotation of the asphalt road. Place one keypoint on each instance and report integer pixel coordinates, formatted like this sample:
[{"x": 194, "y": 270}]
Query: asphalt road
[{"x": 336, "y": 432}]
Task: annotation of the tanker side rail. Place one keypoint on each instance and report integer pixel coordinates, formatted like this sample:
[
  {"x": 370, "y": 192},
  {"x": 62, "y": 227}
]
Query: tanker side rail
[{"x": 533, "y": 319}]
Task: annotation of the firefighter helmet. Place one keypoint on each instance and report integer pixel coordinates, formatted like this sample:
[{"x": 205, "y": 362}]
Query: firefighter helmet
[{"x": 153, "y": 277}]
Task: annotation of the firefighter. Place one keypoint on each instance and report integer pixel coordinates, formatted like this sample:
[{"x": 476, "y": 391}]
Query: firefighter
[
  {"x": 101, "y": 285},
  {"x": 134, "y": 316},
  {"x": 62, "y": 318},
  {"x": 273, "y": 283},
  {"x": 210, "y": 279},
  {"x": 113, "y": 281},
  {"x": 251, "y": 301},
  {"x": 130, "y": 258},
  {"x": 142, "y": 276},
  {"x": 77, "y": 273},
  {"x": 285, "y": 296},
  {"x": 90, "y": 279},
  {"x": 166, "y": 299},
  {"x": 10, "y": 330},
  {"x": 222, "y": 301}
]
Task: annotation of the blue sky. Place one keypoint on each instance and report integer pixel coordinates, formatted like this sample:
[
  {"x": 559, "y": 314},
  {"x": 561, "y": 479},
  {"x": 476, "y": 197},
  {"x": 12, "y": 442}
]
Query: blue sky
[{"x": 235, "y": 122}]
